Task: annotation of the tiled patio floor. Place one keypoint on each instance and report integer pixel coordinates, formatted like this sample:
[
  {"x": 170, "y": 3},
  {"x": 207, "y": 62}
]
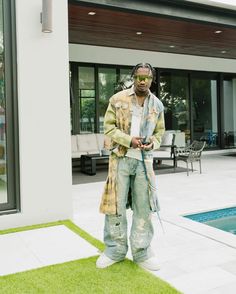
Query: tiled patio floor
[
  {"x": 41, "y": 247},
  {"x": 194, "y": 258}
]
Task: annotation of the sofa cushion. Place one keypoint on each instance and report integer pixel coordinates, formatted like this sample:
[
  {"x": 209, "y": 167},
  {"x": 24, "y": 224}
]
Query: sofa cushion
[
  {"x": 104, "y": 144},
  {"x": 74, "y": 146},
  {"x": 180, "y": 139},
  {"x": 100, "y": 141},
  {"x": 161, "y": 154},
  {"x": 78, "y": 154},
  {"x": 166, "y": 140},
  {"x": 87, "y": 143}
]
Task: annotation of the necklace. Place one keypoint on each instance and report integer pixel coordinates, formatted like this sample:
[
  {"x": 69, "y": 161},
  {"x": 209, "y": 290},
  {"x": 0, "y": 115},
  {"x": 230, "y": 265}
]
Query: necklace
[{"x": 140, "y": 100}]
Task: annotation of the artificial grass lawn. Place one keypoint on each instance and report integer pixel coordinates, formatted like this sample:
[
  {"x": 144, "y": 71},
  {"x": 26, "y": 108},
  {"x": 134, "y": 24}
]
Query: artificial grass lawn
[{"x": 81, "y": 276}]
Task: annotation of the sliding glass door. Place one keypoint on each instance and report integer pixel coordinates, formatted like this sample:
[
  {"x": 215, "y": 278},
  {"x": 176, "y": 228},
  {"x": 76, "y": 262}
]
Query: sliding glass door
[
  {"x": 204, "y": 109},
  {"x": 9, "y": 153},
  {"x": 229, "y": 106},
  {"x": 91, "y": 88},
  {"x": 107, "y": 80},
  {"x": 3, "y": 167},
  {"x": 200, "y": 104},
  {"x": 174, "y": 94}
]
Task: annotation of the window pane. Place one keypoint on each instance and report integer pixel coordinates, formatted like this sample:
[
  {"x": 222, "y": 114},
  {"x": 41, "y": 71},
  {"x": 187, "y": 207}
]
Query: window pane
[
  {"x": 174, "y": 95},
  {"x": 205, "y": 110},
  {"x": 3, "y": 168},
  {"x": 125, "y": 74},
  {"x": 125, "y": 81},
  {"x": 86, "y": 99},
  {"x": 229, "y": 86},
  {"x": 86, "y": 78},
  {"x": 87, "y": 115},
  {"x": 106, "y": 88},
  {"x": 87, "y": 93}
]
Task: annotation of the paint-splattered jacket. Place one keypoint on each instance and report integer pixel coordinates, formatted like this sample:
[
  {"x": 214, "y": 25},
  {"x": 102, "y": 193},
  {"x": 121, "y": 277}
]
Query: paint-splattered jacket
[{"x": 117, "y": 124}]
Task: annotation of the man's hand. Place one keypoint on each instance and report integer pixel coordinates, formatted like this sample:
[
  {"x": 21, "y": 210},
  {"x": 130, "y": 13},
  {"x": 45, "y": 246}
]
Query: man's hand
[
  {"x": 136, "y": 142},
  {"x": 147, "y": 147}
]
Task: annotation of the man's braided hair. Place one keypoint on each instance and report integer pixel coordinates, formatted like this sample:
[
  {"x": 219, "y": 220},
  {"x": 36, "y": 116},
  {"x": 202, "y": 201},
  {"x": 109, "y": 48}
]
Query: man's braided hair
[
  {"x": 127, "y": 83},
  {"x": 144, "y": 65}
]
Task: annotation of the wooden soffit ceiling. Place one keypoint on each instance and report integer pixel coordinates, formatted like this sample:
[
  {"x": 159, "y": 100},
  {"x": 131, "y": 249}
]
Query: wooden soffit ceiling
[{"x": 122, "y": 28}]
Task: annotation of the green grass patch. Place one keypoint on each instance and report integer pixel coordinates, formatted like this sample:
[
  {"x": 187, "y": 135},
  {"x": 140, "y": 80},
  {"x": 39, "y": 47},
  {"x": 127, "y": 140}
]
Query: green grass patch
[
  {"x": 81, "y": 276},
  {"x": 96, "y": 243}
]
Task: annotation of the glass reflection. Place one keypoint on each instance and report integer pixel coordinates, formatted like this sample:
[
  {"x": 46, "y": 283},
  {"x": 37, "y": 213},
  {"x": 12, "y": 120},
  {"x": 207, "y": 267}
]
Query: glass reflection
[
  {"x": 205, "y": 111},
  {"x": 3, "y": 167},
  {"x": 86, "y": 99},
  {"x": 106, "y": 88},
  {"x": 174, "y": 95},
  {"x": 229, "y": 88}
]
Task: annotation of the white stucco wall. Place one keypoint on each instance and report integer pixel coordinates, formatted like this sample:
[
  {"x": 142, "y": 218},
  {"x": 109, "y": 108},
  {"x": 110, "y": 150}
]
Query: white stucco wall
[
  {"x": 107, "y": 55},
  {"x": 44, "y": 117}
]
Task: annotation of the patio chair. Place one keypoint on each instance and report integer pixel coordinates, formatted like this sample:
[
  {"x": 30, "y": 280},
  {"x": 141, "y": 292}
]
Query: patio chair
[{"x": 190, "y": 154}]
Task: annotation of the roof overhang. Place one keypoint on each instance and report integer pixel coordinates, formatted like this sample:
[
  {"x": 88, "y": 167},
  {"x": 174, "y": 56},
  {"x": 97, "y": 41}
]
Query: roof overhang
[{"x": 175, "y": 26}]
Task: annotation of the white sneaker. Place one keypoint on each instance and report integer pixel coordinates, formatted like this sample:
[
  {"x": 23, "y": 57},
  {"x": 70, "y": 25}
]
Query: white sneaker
[
  {"x": 149, "y": 264},
  {"x": 103, "y": 261}
]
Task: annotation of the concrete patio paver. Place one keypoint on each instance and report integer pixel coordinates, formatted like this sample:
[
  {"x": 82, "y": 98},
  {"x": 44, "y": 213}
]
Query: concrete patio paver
[
  {"x": 194, "y": 258},
  {"x": 41, "y": 247}
]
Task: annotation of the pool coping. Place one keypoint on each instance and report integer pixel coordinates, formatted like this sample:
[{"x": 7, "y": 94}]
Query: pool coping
[{"x": 202, "y": 229}]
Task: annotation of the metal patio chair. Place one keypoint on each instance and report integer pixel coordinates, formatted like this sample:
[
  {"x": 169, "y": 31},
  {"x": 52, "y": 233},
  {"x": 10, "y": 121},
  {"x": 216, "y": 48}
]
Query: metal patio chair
[{"x": 190, "y": 154}]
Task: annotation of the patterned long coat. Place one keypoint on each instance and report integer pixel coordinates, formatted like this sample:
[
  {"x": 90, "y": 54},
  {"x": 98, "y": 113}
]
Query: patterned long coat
[{"x": 117, "y": 123}]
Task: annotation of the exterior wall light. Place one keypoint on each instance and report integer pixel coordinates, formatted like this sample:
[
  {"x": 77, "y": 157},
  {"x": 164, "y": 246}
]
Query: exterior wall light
[{"x": 46, "y": 16}]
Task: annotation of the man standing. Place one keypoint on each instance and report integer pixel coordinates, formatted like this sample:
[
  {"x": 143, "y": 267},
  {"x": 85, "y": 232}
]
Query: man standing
[{"x": 134, "y": 121}]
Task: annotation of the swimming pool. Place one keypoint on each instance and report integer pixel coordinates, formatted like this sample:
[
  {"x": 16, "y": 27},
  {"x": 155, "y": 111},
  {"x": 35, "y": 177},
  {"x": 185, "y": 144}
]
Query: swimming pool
[{"x": 223, "y": 219}]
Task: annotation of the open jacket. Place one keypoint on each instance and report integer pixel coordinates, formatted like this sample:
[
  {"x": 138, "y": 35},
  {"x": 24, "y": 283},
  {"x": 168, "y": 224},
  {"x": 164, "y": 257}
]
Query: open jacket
[{"x": 117, "y": 124}]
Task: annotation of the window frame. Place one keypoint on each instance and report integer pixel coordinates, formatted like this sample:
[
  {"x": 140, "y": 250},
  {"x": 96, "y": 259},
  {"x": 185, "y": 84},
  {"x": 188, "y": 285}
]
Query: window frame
[
  {"x": 12, "y": 129},
  {"x": 75, "y": 89},
  {"x": 218, "y": 76}
]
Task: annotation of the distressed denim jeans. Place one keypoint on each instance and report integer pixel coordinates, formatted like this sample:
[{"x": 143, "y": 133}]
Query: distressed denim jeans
[{"x": 130, "y": 173}]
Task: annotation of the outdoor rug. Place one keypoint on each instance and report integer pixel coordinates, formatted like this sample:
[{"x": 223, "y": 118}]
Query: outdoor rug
[{"x": 79, "y": 178}]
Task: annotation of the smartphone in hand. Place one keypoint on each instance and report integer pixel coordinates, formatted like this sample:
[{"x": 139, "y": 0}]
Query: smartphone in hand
[{"x": 145, "y": 142}]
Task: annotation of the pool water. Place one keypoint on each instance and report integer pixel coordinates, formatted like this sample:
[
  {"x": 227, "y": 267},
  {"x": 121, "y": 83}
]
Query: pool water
[
  {"x": 223, "y": 219},
  {"x": 227, "y": 224}
]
